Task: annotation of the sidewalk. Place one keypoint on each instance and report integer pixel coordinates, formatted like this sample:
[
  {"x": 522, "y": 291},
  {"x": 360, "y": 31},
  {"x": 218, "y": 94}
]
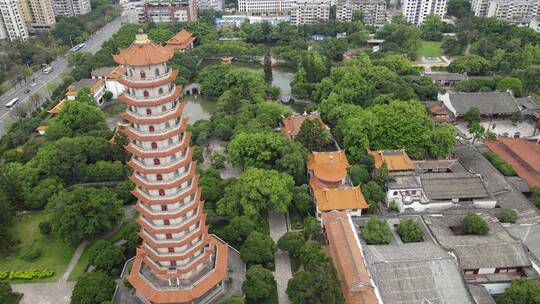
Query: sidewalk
[{"x": 282, "y": 274}]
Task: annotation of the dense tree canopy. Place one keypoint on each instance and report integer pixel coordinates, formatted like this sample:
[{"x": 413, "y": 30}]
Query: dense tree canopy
[
  {"x": 475, "y": 224},
  {"x": 522, "y": 291},
  {"x": 259, "y": 283},
  {"x": 409, "y": 231},
  {"x": 377, "y": 232},
  {"x": 93, "y": 288},
  {"x": 313, "y": 135},
  {"x": 258, "y": 249},
  {"x": 400, "y": 37},
  {"x": 84, "y": 213},
  {"x": 259, "y": 150}
]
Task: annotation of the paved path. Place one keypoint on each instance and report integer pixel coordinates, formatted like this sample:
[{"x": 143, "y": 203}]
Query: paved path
[
  {"x": 282, "y": 274},
  {"x": 45, "y": 293},
  {"x": 74, "y": 260}
]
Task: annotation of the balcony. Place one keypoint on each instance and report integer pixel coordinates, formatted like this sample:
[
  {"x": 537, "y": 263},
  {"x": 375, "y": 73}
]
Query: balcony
[
  {"x": 149, "y": 79},
  {"x": 189, "y": 233},
  {"x": 164, "y": 166}
]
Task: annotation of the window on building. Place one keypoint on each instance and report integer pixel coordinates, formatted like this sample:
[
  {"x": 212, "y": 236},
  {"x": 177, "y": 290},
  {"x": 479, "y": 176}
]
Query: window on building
[
  {"x": 151, "y": 128},
  {"x": 157, "y": 72},
  {"x": 168, "y": 236},
  {"x": 154, "y": 145},
  {"x": 148, "y": 111},
  {"x": 145, "y": 93},
  {"x": 166, "y": 222},
  {"x": 394, "y": 193},
  {"x": 164, "y": 207},
  {"x": 173, "y": 263},
  {"x": 171, "y": 250},
  {"x": 161, "y": 192},
  {"x": 143, "y": 74},
  {"x": 159, "y": 177},
  {"x": 157, "y": 161},
  {"x": 160, "y": 91}
]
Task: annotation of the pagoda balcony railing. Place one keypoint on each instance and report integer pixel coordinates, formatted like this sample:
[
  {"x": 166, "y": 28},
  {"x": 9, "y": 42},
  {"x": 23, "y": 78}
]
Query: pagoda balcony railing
[
  {"x": 180, "y": 190},
  {"x": 183, "y": 220},
  {"x": 141, "y": 178},
  {"x": 172, "y": 146},
  {"x": 162, "y": 165},
  {"x": 176, "y": 126},
  {"x": 183, "y": 205},
  {"x": 149, "y": 79},
  {"x": 166, "y": 93},
  {"x": 189, "y": 246},
  {"x": 154, "y": 115},
  {"x": 188, "y": 233}
]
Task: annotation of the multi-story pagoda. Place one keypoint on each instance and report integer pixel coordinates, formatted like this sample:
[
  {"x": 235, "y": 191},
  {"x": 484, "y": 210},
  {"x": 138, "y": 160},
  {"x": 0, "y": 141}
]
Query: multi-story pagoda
[{"x": 178, "y": 261}]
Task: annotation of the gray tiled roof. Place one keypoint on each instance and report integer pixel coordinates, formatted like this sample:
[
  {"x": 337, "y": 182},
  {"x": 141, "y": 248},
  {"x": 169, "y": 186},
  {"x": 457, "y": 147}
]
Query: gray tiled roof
[
  {"x": 446, "y": 76},
  {"x": 444, "y": 186},
  {"x": 487, "y": 103}
]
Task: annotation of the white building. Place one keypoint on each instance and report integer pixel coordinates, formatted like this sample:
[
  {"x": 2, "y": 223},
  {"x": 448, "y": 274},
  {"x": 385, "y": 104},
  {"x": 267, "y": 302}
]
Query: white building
[
  {"x": 480, "y": 7},
  {"x": 514, "y": 9},
  {"x": 14, "y": 25},
  {"x": 215, "y": 5},
  {"x": 71, "y": 7},
  {"x": 265, "y": 7},
  {"x": 111, "y": 75},
  {"x": 416, "y": 11},
  {"x": 374, "y": 11},
  {"x": 310, "y": 11}
]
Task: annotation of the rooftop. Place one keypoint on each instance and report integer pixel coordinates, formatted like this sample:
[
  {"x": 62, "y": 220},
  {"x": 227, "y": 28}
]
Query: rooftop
[
  {"x": 90, "y": 83},
  {"x": 528, "y": 104},
  {"x": 180, "y": 41},
  {"x": 348, "y": 198},
  {"x": 346, "y": 253},
  {"x": 108, "y": 72},
  {"x": 57, "y": 108},
  {"x": 522, "y": 155},
  {"x": 291, "y": 125},
  {"x": 442, "y": 76},
  {"x": 487, "y": 102},
  {"x": 143, "y": 52},
  {"x": 404, "y": 182},
  {"x": 446, "y": 186},
  {"x": 439, "y": 165},
  {"x": 497, "y": 249},
  {"x": 396, "y": 160},
  {"x": 329, "y": 166}
]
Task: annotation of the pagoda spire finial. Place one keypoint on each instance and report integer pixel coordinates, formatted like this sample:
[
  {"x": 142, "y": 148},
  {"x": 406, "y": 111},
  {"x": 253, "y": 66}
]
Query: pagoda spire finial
[{"x": 141, "y": 37}]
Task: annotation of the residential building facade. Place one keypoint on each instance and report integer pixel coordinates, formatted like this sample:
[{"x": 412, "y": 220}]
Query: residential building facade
[
  {"x": 509, "y": 10},
  {"x": 14, "y": 23},
  {"x": 374, "y": 11},
  {"x": 71, "y": 7},
  {"x": 416, "y": 11},
  {"x": 38, "y": 14},
  {"x": 310, "y": 11},
  {"x": 178, "y": 261},
  {"x": 265, "y": 7},
  {"x": 215, "y": 5},
  {"x": 169, "y": 11}
]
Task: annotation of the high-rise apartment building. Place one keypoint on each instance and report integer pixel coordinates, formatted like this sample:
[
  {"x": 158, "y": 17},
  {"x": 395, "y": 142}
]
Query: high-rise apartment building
[
  {"x": 39, "y": 15},
  {"x": 480, "y": 7},
  {"x": 265, "y": 7},
  {"x": 71, "y": 7},
  {"x": 416, "y": 11},
  {"x": 169, "y": 11},
  {"x": 14, "y": 23},
  {"x": 310, "y": 11},
  {"x": 178, "y": 261},
  {"x": 215, "y": 5},
  {"x": 374, "y": 11}
]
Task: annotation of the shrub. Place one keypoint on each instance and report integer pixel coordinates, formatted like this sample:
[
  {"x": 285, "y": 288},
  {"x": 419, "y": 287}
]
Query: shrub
[
  {"x": 535, "y": 196},
  {"x": 292, "y": 242},
  {"x": 377, "y": 232},
  {"x": 410, "y": 231},
  {"x": 507, "y": 215},
  {"x": 475, "y": 224},
  {"x": 32, "y": 253},
  {"x": 45, "y": 227},
  {"x": 393, "y": 206},
  {"x": 26, "y": 274},
  {"x": 500, "y": 164}
]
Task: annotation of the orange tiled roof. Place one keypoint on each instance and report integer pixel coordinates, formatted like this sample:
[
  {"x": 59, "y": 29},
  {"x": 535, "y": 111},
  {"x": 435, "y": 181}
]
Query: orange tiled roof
[
  {"x": 348, "y": 198},
  {"x": 57, "y": 108},
  {"x": 143, "y": 52},
  {"x": 522, "y": 155},
  {"x": 347, "y": 256},
  {"x": 396, "y": 160},
  {"x": 42, "y": 128},
  {"x": 180, "y": 41},
  {"x": 291, "y": 125},
  {"x": 117, "y": 72},
  {"x": 438, "y": 109},
  {"x": 329, "y": 166}
]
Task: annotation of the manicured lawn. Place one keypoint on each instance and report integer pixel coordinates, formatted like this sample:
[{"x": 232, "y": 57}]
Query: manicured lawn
[
  {"x": 55, "y": 254},
  {"x": 430, "y": 49},
  {"x": 82, "y": 265}
]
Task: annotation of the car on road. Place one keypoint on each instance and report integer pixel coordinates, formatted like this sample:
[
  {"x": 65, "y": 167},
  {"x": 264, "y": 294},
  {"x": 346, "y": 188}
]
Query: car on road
[
  {"x": 26, "y": 91},
  {"x": 33, "y": 84},
  {"x": 48, "y": 69}
]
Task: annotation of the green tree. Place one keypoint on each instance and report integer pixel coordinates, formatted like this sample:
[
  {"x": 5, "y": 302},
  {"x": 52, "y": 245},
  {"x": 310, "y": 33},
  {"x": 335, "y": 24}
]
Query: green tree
[
  {"x": 292, "y": 160},
  {"x": 510, "y": 83},
  {"x": 312, "y": 227},
  {"x": 373, "y": 193},
  {"x": 314, "y": 287},
  {"x": 256, "y": 149},
  {"x": 45, "y": 227},
  {"x": 432, "y": 28},
  {"x": 233, "y": 300},
  {"x": 377, "y": 232},
  {"x": 477, "y": 131},
  {"x": 313, "y": 135},
  {"x": 475, "y": 224},
  {"x": 212, "y": 186},
  {"x": 410, "y": 231},
  {"x": 7, "y": 295},
  {"x": 292, "y": 242},
  {"x": 258, "y": 249},
  {"x": 257, "y": 190},
  {"x": 400, "y": 37},
  {"x": 302, "y": 201},
  {"x": 398, "y": 64},
  {"x": 472, "y": 116},
  {"x": 522, "y": 291},
  {"x": 506, "y": 215},
  {"x": 359, "y": 174},
  {"x": 160, "y": 34},
  {"x": 106, "y": 257},
  {"x": 238, "y": 229},
  {"x": 84, "y": 213},
  {"x": 76, "y": 118},
  {"x": 268, "y": 68},
  {"x": 470, "y": 64},
  {"x": 259, "y": 283},
  {"x": 459, "y": 8},
  {"x": 93, "y": 288}
]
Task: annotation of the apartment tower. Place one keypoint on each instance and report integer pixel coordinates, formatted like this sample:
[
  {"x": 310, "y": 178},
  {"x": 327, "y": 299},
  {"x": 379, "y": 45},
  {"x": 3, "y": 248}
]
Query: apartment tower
[
  {"x": 178, "y": 261},
  {"x": 416, "y": 11},
  {"x": 71, "y": 7}
]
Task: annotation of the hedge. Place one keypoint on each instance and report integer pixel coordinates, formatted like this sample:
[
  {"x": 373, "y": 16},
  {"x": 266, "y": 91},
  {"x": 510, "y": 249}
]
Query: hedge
[
  {"x": 26, "y": 274},
  {"x": 500, "y": 164}
]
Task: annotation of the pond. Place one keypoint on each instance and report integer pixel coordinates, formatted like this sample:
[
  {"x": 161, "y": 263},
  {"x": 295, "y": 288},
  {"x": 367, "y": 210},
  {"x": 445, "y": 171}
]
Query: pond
[{"x": 198, "y": 107}]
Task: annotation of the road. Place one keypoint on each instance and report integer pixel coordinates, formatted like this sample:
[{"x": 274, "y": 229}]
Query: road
[{"x": 93, "y": 44}]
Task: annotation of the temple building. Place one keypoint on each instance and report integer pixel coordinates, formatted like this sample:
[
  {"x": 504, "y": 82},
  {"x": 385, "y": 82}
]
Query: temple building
[
  {"x": 328, "y": 169},
  {"x": 182, "y": 41},
  {"x": 290, "y": 126},
  {"x": 178, "y": 261}
]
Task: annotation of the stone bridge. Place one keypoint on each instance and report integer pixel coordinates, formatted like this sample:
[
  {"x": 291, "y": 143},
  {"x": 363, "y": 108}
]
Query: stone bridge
[{"x": 191, "y": 89}]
